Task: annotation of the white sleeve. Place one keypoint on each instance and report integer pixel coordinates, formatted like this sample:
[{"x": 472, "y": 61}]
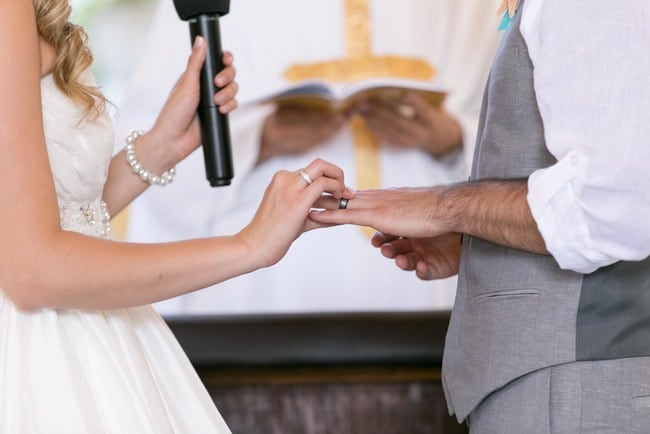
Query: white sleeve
[
  {"x": 591, "y": 74},
  {"x": 472, "y": 45}
]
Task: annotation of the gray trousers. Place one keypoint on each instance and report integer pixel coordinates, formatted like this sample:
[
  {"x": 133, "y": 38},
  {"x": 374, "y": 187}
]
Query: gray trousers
[{"x": 611, "y": 396}]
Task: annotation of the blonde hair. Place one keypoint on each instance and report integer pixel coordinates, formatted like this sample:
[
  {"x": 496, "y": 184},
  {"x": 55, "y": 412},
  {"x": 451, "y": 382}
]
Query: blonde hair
[{"x": 73, "y": 56}]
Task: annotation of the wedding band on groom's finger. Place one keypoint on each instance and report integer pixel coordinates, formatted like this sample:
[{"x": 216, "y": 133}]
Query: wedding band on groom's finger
[
  {"x": 343, "y": 203},
  {"x": 305, "y": 176}
]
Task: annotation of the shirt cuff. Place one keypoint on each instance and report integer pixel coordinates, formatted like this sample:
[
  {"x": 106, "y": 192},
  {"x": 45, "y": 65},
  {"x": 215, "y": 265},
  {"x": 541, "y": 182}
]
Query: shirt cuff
[{"x": 555, "y": 206}]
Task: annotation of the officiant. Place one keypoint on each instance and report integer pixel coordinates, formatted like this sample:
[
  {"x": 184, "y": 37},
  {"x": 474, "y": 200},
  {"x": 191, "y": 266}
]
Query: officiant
[{"x": 285, "y": 42}]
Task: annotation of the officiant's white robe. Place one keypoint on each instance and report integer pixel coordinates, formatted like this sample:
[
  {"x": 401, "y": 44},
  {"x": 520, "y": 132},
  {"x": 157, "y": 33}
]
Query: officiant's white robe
[{"x": 333, "y": 269}]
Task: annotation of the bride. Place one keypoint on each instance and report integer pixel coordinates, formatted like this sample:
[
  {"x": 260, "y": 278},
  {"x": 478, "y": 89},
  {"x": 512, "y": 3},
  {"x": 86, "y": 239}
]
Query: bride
[{"x": 81, "y": 350}]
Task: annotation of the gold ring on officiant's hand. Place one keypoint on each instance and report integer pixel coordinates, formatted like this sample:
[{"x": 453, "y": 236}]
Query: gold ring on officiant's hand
[
  {"x": 406, "y": 111},
  {"x": 343, "y": 203},
  {"x": 304, "y": 175}
]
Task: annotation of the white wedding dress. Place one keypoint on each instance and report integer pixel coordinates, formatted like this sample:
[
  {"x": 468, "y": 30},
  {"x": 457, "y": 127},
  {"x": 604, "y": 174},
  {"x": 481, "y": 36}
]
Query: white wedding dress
[{"x": 66, "y": 371}]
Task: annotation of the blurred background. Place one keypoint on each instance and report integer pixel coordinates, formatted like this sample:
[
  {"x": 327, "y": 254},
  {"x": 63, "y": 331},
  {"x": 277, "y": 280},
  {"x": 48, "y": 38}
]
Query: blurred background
[
  {"x": 116, "y": 30},
  {"x": 343, "y": 373}
]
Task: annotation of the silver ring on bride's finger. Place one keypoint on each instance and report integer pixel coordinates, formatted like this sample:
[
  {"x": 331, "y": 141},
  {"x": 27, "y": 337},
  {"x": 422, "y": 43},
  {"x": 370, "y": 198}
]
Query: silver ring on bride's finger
[
  {"x": 343, "y": 203},
  {"x": 304, "y": 175}
]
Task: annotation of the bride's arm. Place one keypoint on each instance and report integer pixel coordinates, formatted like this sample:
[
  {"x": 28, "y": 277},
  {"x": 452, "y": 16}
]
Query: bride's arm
[
  {"x": 49, "y": 267},
  {"x": 42, "y": 265},
  {"x": 175, "y": 134}
]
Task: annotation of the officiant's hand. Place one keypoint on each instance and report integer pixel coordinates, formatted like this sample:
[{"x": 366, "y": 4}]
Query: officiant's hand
[
  {"x": 292, "y": 131},
  {"x": 413, "y": 123}
]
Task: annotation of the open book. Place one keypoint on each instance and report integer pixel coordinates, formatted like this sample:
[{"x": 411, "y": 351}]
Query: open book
[{"x": 320, "y": 94}]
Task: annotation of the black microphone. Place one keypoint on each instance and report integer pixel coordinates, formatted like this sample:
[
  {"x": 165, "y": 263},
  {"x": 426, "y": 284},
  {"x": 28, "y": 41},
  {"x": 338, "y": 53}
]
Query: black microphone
[{"x": 203, "y": 17}]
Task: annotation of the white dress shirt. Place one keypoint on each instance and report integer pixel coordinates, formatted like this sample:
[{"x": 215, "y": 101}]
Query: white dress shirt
[{"x": 592, "y": 80}]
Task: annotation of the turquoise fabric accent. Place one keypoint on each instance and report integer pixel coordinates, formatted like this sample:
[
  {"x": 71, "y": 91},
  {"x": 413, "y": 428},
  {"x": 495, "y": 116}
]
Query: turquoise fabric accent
[{"x": 505, "y": 21}]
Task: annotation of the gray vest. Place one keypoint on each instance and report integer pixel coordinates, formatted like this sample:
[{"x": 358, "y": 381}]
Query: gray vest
[{"x": 516, "y": 312}]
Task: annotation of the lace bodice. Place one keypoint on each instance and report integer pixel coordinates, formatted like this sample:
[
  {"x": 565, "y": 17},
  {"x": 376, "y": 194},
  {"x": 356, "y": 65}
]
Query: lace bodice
[{"x": 80, "y": 151}]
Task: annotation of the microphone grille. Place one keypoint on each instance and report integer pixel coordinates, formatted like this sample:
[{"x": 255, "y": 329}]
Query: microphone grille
[{"x": 188, "y": 9}]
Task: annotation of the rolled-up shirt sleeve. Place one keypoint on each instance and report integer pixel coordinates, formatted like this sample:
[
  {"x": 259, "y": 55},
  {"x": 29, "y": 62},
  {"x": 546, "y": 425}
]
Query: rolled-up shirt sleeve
[{"x": 592, "y": 82}]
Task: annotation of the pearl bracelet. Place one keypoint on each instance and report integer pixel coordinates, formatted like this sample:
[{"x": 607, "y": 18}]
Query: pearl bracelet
[{"x": 166, "y": 178}]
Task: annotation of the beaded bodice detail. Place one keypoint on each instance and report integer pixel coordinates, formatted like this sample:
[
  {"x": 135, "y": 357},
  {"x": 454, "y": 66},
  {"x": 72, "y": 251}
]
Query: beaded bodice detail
[{"x": 80, "y": 151}]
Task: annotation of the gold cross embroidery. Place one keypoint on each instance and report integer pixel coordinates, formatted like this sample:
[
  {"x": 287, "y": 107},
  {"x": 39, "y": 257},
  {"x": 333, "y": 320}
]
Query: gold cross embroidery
[{"x": 360, "y": 64}]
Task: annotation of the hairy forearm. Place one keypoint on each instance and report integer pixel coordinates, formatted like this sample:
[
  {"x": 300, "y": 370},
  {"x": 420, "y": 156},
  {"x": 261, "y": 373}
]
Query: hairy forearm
[{"x": 494, "y": 210}]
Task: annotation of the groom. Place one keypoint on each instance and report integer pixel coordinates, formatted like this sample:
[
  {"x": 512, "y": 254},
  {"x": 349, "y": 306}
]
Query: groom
[{"x": 550, "y": 331}]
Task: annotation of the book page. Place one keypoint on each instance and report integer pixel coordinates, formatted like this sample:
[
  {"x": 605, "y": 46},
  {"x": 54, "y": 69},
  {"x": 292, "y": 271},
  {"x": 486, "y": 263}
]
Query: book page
[
  {"x": 391, "y": 91},
  {"x": 314, "y": 93},
  {"x": 320, "y": 94}
]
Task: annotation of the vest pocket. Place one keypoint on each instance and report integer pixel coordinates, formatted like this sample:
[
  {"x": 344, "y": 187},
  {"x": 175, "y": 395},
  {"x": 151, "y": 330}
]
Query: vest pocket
[
  {"x": 505, "y": 294},
  {"x": 641, "y": 403}
]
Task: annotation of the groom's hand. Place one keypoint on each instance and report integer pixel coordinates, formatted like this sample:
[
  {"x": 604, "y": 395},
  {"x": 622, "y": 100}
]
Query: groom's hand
[{"x": 430, "y": 258}]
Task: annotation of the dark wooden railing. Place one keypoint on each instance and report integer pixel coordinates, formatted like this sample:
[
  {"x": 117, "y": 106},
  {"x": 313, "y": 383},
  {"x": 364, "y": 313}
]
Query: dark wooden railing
[{"x": 335, "y": 373}]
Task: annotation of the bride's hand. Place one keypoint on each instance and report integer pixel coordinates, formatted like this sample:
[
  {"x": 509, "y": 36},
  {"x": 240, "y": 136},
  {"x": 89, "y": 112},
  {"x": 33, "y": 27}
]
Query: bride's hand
[
  {"x": 177, "y": 128},
  {"x": 283, "y": 213}
]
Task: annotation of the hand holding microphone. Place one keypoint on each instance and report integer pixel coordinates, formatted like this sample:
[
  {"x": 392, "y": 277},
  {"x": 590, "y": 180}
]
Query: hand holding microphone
[{"x": 203, "y": 17}]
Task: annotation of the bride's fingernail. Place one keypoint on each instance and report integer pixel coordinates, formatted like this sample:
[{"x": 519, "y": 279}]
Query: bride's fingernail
[{"x": 198, "y": 41}]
